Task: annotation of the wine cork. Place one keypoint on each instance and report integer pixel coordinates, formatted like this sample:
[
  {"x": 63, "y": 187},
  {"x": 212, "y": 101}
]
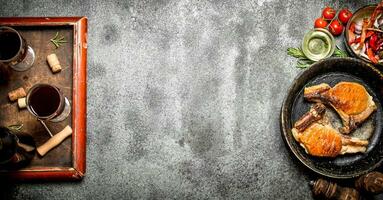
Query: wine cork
[
  {"x": 54, "y": 141},
  {"x": 16, "y": 94},
  {"x": 54, "y": 63},
  {"x": 21, "y": 102}
]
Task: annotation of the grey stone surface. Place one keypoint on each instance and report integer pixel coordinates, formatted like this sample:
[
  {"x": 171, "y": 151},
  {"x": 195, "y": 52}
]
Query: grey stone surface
[{"x": 184, "y": 98}]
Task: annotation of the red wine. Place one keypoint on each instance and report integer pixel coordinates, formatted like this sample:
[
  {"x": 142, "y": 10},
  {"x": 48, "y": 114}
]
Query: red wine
[
  {"x": 9, "y": 44},
  {"x": 44, "y": 100}
]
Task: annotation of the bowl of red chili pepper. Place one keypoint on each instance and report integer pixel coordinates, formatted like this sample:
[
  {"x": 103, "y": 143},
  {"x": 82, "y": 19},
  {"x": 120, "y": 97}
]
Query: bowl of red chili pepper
[{"x": 364, "y": 34}]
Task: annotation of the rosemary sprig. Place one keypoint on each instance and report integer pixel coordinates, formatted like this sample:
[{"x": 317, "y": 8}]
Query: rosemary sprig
[
  {"x": 339, "y": 53},
  {"x": 296, "y": 52},
  {"x": 16, "y": 127},
  {"x": 58, "y": 41},
  {"x": 304, "y": 63}
]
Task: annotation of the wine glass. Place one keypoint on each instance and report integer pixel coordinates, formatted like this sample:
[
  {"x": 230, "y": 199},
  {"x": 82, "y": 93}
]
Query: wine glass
[
  {"x": 47, "y": 103},
  {"x": 14, "y": 50}
]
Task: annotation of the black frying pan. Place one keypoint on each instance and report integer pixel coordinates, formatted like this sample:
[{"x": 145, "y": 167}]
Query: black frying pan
[{"x": 332, "y": 71}]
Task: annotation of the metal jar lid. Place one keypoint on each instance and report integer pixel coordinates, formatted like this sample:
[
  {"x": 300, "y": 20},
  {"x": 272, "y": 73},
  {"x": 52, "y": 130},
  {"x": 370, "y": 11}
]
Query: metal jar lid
[{"x": 318, "y": 44}]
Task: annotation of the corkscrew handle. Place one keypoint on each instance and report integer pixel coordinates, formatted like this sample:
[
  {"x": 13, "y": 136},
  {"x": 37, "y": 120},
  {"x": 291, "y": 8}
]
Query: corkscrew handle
[{"x": 54, "y": 141}]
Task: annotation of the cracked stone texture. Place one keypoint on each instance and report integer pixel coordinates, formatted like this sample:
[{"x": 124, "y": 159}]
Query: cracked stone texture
[{"x": 184, "y": 98}]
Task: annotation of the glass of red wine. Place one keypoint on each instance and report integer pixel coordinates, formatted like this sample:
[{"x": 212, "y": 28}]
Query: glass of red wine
[
  {"x": 14, "y": 50},
  {"x": 47, "y": 103}
]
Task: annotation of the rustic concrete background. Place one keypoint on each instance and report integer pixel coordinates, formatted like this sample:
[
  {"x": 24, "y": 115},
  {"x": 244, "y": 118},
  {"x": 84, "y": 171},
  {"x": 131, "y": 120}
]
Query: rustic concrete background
[{"x": 184, "y": 98}]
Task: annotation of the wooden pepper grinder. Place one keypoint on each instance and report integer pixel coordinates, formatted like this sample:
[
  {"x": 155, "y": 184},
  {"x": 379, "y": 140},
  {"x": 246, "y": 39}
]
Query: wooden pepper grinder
[
  {"x": 371, "y": 182},
  {"x": 328, "y": 190}
]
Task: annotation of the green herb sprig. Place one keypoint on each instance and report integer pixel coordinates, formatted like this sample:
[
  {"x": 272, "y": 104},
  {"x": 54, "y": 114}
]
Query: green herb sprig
[
  {"x": 303, "y": 62},
  {"x": 339, "y": 53},
  {"x": 58, "y": 41},
  {"x": 16, "y": 127}
]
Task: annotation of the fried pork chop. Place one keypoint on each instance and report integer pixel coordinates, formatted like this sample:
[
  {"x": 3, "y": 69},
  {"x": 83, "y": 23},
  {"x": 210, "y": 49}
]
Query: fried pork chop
[
  {"x": 350, "y": 100},
  {"x": 319, "y": 138}
]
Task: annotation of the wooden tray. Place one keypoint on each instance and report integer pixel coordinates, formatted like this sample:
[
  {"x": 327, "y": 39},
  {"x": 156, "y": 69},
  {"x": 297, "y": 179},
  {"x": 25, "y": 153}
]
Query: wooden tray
[{"x": 68, "y": 160}]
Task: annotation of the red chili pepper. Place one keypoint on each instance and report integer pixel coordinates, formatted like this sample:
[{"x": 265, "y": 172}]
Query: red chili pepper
[
  {"x": 357, "y": 40},
  {"x": 363, "y": 36},
  {"x": 373, "y": 42},
  {"x": 371, "y": 56},
  {"x": 351, "y": 37},
  {"x": 351, "y": 33},
  {"x": 369, "y": 34},
  {"x": 378, "y": 9}
]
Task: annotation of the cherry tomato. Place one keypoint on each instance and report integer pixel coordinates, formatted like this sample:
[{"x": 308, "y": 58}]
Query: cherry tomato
[
  {"x": 344, "y": 15},
  {"x": 328, "y": 13},
  {"x": 320, "y": 23},
  {"x": 335, "y": 28}
]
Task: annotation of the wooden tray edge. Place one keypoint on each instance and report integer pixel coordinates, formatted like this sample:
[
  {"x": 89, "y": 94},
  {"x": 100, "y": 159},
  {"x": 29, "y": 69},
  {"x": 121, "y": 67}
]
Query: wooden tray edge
[
  {"x": 79, "y": 96},
  {"x": 77, "y": 171},
  {"x": 41, "y": 21},
  {"x": 44, "y": 174}
]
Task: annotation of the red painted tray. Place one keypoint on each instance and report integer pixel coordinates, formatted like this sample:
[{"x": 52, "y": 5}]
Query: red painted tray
[{"x": 68, "y": 160}]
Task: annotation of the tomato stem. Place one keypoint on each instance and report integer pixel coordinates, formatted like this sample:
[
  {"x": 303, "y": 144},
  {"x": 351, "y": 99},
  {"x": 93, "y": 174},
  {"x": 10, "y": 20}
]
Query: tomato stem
[{"x": 335, "y": 17}]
